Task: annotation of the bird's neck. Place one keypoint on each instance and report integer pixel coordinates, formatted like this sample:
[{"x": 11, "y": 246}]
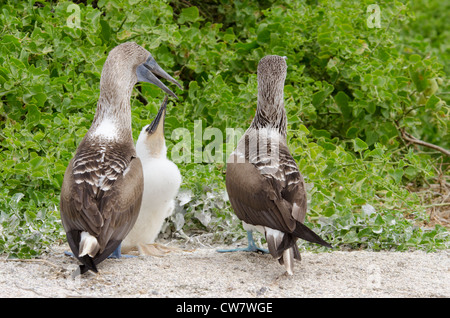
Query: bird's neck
[
  {"x": 150, "y": 147},
  {"x": 112, "y": 120},
  {"x": 270, "y": 112}
]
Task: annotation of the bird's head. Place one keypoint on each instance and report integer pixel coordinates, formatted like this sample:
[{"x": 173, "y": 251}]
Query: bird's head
[
  {"x": 151, "y": 142},
  {"x": 271, "y": 76},
  {"x": 129, "y": 63}
]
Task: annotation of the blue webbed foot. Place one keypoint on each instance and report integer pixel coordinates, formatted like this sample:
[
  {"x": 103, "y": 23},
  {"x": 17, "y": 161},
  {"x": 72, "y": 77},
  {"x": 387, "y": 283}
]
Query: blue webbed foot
[
  {"x": 69, "y": 254},
  {"x": 117, "y": 253},
  {"x": 250, "y": 248}
]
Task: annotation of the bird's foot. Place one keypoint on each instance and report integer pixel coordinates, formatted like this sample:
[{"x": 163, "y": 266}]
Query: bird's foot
[
  {"x": 250, "y": 248},
  {"x": 70, "y": 254},
  {"x": 114, "y": 255},
  {"x": 246, "y": 249},
  {"x": 117, "y": 254},
  {"x": 155, "y": 249}
]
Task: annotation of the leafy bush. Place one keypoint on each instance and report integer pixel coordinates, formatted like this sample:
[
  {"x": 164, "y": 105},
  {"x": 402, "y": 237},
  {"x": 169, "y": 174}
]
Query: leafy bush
[{"x": 352, "y": 93}]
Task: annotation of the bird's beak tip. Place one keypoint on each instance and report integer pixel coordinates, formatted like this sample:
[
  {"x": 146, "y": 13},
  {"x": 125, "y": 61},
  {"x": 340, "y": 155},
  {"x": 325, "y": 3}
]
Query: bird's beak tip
[{"x": 146, "y": 73}]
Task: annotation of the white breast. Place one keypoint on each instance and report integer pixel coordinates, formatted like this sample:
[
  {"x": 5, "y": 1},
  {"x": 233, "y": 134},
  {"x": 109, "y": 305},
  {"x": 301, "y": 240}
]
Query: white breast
[{"x": 106, "y": 130}]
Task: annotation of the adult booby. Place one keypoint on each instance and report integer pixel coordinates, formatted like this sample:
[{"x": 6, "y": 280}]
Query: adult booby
[
  {"x": 102, "y": 188},
  {"x": 265, "y": 187},
  {"x": 162, "y": 180}
]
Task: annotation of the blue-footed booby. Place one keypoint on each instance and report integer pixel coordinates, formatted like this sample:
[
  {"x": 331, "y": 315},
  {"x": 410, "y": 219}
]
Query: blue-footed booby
[
  {"x": 162, "y": 180},
  {"x": 102, "y": 188},
  {"x": 265, "y": 187}
]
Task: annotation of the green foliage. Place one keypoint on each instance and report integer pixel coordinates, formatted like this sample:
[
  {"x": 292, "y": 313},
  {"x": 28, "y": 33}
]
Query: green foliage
[
  {"x": 358, "y": 199},
  {"x": 349, "y": 92}
]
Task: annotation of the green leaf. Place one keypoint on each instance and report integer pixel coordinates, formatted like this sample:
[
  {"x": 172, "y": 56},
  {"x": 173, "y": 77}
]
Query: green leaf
[
  {"x": 377, "y": 153},
  {"x": 359, "y": 145},
  {"x": 371, "y": 107},
  {"x": 396, "y": 174},
  {"x": 432, "y": 101},
  {"x": 263, "y": 36},
  {"x": 379, "y": 81},
  {"x": 419, "y": 78},
  {"x": 40, "y": 98},
  {"x": 329, "y": 211},
  {"x": 105, "y": 31},
  {"x": 352, "y": 132},
  {"x": 320, "y": 133},
  {"x": 33, "y": 115},
  {"x": 36, "y": 163},
  {"x": 319, "y": 97},
  {"x": 303, "y": 129},
  {"x": 414, "y": 58},
  {"x": 342, "y": 100},
  {"x": 324, "y": 38},
  {"x": 190, "y": 14}
]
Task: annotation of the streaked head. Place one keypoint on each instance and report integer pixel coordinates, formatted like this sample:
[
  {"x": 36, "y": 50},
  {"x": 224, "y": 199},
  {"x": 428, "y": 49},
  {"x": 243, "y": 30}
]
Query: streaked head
[
  {"x": 129, "y": 63},
  {"x": 272, "y": 71}
]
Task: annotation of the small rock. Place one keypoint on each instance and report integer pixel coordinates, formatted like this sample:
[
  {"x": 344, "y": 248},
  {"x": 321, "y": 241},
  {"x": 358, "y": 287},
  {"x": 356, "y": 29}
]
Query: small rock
[{"x": 261, "y": 291}]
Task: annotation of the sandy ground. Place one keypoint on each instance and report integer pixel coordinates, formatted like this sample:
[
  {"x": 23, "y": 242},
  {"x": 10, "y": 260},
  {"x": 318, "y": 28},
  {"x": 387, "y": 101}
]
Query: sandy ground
[{"x": 202, "y": 272}]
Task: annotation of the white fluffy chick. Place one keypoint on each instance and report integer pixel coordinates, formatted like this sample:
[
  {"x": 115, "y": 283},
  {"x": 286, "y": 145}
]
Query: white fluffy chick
[{"x": 162, "y": 180}]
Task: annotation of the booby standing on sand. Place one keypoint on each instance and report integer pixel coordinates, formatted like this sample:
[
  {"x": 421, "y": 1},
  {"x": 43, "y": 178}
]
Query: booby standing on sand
[
  {"x": 102, "y": 188},
  {"x": 162, "y": 180},
  {"x": 265, "y": 187}
]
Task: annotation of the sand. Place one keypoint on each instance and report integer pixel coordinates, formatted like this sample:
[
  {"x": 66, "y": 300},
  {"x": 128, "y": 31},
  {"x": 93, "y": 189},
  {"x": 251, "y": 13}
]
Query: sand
[{"x": 202, "y": 272}]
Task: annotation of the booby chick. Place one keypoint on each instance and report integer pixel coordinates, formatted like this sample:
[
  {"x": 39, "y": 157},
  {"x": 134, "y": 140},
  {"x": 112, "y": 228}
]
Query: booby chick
[
  {"x": 162, "y": 180},
  {"x": 102, "y": 188},
  {"x": 265, "y": 187}
]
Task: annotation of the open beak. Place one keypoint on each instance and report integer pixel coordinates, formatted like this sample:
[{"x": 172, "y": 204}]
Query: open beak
[
  {"x": 146, "y": 72},
  {"x": 154, "y": 126}
]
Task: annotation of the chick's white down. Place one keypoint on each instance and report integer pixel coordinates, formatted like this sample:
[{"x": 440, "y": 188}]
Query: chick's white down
[{"x": 162, "y": 180}]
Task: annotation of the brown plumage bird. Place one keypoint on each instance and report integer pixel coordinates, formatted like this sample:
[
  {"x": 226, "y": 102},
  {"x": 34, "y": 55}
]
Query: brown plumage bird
[
  {"x": 265, "y": 187},
  {"x": 102, "y": 188}
]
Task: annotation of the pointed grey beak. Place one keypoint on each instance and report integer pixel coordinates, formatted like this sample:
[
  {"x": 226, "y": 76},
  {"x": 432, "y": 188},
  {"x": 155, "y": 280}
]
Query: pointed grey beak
[
  {"x": 146, "y": 72},
  {"x": 161, "y": 114}
]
